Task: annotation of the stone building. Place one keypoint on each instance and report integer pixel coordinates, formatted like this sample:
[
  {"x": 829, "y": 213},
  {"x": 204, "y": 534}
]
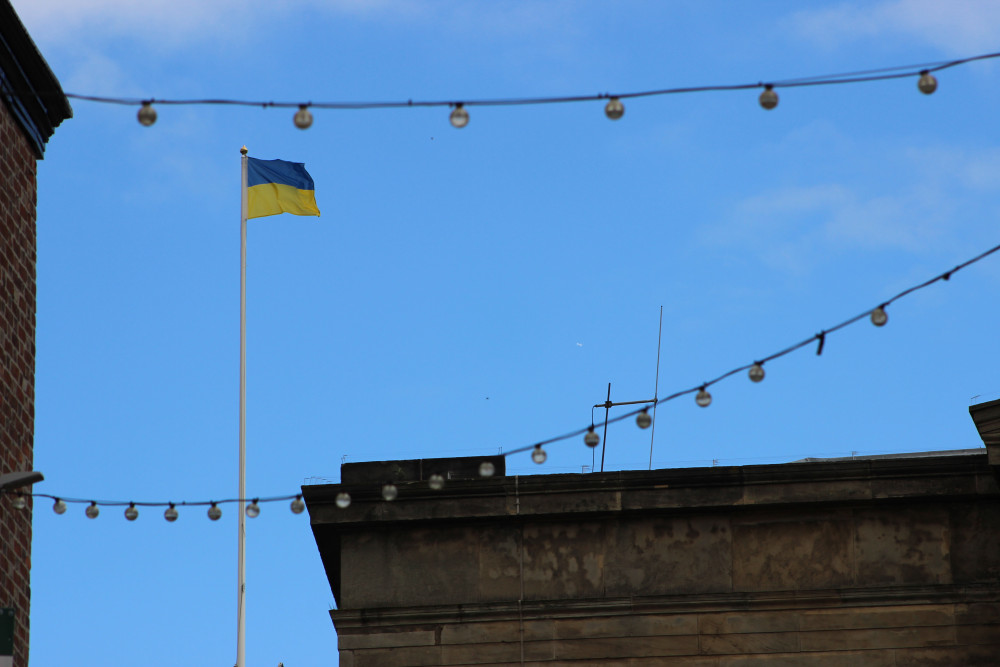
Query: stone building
[
  {"x": 33, "y": 106},
  {"x": 881, "y": 561}
]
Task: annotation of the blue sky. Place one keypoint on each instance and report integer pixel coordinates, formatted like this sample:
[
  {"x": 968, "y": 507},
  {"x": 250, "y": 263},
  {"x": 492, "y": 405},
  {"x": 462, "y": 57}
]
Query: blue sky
[{"x": 471, "y": 290}]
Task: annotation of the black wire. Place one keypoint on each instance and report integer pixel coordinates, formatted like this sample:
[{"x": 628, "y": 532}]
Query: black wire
[
  {"x": 880, "y": 74},
  {"x": 820, "y": 338}
]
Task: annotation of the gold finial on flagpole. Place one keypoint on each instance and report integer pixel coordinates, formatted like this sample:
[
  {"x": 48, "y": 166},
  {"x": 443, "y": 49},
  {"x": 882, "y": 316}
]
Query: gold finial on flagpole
[{"x": 243, "y": 151}]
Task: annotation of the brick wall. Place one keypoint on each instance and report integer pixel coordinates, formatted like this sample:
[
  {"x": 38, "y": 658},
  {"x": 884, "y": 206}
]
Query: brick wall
[{"x": 17, "y": 364}]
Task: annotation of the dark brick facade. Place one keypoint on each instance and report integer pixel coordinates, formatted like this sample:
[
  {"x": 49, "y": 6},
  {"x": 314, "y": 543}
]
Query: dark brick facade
[
  {"x": 32, "y": 105},
  {"x": 17, "y": 364}
]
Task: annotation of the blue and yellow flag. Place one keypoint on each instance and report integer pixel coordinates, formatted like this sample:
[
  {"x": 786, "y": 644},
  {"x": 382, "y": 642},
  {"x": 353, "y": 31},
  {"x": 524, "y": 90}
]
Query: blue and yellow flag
[{"x": 277, "y": 186}]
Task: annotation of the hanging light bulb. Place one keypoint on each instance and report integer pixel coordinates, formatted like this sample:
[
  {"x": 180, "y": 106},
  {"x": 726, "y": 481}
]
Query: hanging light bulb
[
  {"x": 614, "y": 109},
  {"x": 389, "y": 492},
  {"x": 486, "y": 469},
  {"x": 459, "y": 117},
  {"x": 303, "y": 117},
  {"x": 131, "y": 513},
  {"x": 253, "y": 509},
  {"x": 927, "y": 83},
  {"x": 92, "y": 510},
  {"x": 214, "y": 513},
  {"x": 538, "y": 455},
  {"x": 19, "y": 503},
  {"x": 879, "y": 316},
  {"x": 756, "y": 372},
  {"x": 147, "y": 114},
  {"x": 59, "y": 507},
  {"x": 343, "y": 500},
  {"x": 703, "y": 398},
  {"x": 436, "y": 482},
  {"x": 591, "y": 439},
  {"x": 768, "y": 99},
  {"x": 170, "y": 514},
  {"x": 643, "y": 419},
  {"x": 297, "y": 505}
]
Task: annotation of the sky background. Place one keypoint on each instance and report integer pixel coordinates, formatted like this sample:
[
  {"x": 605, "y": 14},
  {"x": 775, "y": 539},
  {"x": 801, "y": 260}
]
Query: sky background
[{"x": 477, "y": 289}]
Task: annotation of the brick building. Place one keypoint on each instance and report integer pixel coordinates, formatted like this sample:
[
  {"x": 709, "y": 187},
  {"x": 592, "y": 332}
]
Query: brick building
[
  {"x": 884, "y": 561},
  {"x": 33, "y": 106}
]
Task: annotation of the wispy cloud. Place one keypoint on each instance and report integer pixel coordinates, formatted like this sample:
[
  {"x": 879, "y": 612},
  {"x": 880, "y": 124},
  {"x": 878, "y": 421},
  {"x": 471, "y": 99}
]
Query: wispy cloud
[{"x": 957, "y": 27}]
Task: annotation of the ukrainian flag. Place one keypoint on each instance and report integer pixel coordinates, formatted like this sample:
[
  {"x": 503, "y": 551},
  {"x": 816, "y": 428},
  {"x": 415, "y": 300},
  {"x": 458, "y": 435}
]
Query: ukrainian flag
[{"x": 277, "y": 186}]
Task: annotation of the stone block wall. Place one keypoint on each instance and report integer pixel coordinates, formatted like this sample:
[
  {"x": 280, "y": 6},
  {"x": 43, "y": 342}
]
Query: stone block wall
[
  {"x": 864, "y": 563},
  {"x": 17, "y": 364}
]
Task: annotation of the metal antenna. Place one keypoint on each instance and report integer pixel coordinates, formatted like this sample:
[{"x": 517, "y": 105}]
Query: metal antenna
[
  {"x": 608, "y": 404},
  {"x": 656, "y": 388}
]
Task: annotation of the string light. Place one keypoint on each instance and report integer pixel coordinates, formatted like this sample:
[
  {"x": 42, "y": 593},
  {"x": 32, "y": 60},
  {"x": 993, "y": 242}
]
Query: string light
[
  {"x": 303, "y": 118},
  {"x": 539, "y": 455},
  {"x": 436, "y": 482},
  {"x": 614, "y": 109},
  {"x": 460, "y": 116},
  {"x": 643, "y": 419},
  {"x": 879, "y": 316},
  {"x": 927, "y": 83},
  {"x": 253, "y": 509},
  {"x": 768, "y": 99},
  {"x": 147, "y": 114},
  {"x": 487, "y": 469},
  {"x": 297, "y": 505},
  {"x": 131, "y": 513},
  {"x": 389, "y": 492},
  {"x": 703, "y": 398},
  {"x": 170, "y": 514}
]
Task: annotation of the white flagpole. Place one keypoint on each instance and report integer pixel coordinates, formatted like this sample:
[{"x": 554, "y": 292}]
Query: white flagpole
[{"x": 241, "y": 518}]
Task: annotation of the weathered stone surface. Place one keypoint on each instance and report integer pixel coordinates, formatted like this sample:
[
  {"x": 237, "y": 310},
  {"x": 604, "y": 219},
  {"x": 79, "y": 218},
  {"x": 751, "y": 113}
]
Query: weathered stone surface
[
  {"x": 907, "y": 545},
  {"x": 793, "y": 551},
  {"x": 575, "y": 571},
  {"x": 660, "y": 556}
]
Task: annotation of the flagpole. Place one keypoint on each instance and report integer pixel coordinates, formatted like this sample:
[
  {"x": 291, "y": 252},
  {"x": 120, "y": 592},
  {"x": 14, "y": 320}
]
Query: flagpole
[{"x": 241, "y": 515}]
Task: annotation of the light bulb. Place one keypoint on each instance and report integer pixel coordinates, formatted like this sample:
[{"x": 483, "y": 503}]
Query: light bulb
[
  {"x": 614, "y": 109},
  {"x": 343, "y": 500},
  {"x": 703, "y": 399},
  {"x": 459, "y": 117},
  {"x": 486, "y": 469},
  {"x": 389, "y": 492},
  {"x": 214, "y": 513},
  {"x": 303, "y": 117},
  {"x": 879, "y": 317},
  {"x": 59, "y": 507},
  {"x": 147, "y": 114},
  {"x": 253, "y": 509},
  {"x": 131, "y": 513},
  {"x": 643, "y": 419},
  {"x": 19, "y": 503},
  {"x": 927, "y": 83},
  {"x": 591, "y": 439},
  {"x": 436, "y": 482},
  {"x": 170, "y": 514},
  {"x": 768, "y": 99},
  {"x": 538, "y": 455},
  {"x": 756, "y": 372},
  {"x": 92, "y": 510},
  {"x": 297, "y": 505}
]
